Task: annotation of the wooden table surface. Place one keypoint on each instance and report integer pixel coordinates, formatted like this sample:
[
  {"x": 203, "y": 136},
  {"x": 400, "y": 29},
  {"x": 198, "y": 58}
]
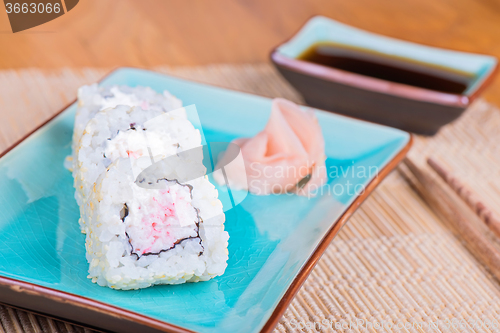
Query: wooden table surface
[{"x": 146, "y": 33}]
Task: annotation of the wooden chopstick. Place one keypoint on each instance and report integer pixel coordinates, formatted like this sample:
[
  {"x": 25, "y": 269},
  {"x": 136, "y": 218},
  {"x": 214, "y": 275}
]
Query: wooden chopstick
[
  {"x": 456, "y": 214},
  {"x": 469, "y": 196}
]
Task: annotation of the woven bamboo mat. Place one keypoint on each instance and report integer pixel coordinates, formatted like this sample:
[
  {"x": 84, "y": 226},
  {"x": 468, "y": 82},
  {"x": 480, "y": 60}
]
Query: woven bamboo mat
[{"x": 394, "y": 263}]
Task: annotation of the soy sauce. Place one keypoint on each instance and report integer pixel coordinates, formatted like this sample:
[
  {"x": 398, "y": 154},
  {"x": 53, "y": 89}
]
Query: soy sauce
[{"x": 389, "y": 68}]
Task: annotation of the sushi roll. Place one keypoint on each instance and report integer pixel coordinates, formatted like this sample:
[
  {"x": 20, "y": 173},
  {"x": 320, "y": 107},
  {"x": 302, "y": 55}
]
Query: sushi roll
[
  {"x": 92, "y": 99},
  {"x": 149, "y": 212},
  {"x": 161, "y": 232},
  {"x": 128, "y": 132}
]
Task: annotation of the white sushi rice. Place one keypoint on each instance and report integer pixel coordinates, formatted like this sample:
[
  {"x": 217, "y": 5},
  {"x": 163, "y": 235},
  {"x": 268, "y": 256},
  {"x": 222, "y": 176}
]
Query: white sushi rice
[
  {"x": 93, "y": 98},
  {"x": 152, "y": 230},
  {"x": 125, "y": 132},
  {"x": 120, "y": 249}
]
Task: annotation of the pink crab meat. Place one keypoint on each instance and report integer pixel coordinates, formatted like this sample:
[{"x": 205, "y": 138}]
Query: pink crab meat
[
  {"x": 145, "y": 105},
  {"x": 156, "y": 222},
  {"x": 134, "y": 154}
]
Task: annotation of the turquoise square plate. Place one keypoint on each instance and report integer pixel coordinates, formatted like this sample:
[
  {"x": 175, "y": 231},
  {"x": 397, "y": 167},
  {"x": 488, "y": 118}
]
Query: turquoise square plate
[{"x": 274, "y": 242}]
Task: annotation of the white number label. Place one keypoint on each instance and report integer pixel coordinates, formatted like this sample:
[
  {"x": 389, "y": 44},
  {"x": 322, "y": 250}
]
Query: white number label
[{"x": 32, "y": 8}]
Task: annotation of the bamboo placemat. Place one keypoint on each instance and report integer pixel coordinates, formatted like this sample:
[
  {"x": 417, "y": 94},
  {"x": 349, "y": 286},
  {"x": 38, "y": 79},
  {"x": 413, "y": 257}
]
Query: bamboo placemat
[{"x": 394, "y": 262}]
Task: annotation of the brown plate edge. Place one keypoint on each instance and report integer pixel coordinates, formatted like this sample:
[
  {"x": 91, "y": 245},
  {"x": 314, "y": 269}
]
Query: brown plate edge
[
  {"x": 55, "y": 318},
  {"x": 62, "y": 297},
  {"x": 325, "y": 242},
  {"x": 89, "y": 304}
]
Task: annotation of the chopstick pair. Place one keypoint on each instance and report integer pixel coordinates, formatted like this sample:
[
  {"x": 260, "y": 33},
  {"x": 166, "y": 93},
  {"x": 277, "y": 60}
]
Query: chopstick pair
[
  {"x": 462, "y": 210},
  {"x": 469, "y": 196}
]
